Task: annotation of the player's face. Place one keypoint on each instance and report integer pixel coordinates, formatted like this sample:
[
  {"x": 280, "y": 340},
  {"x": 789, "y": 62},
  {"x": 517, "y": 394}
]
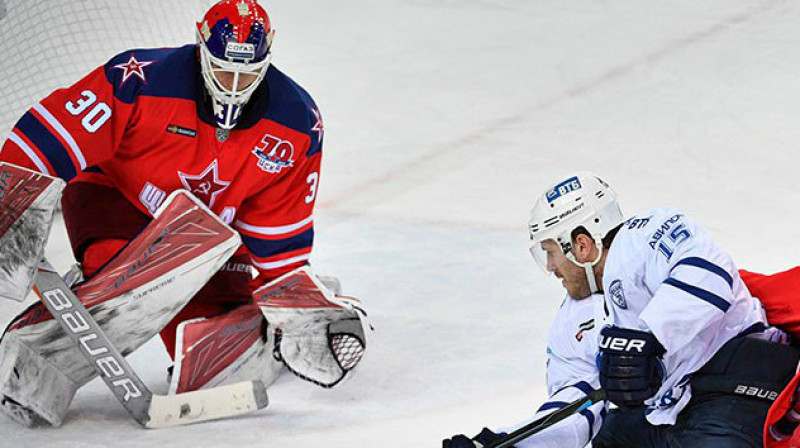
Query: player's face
[
  {"x": 228, "y": 81},
  {"x": 572, "y": 276}
]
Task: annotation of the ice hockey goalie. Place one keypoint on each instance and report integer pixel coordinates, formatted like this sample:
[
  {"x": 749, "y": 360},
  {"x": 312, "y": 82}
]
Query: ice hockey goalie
[{"x": 143, "y": 290}]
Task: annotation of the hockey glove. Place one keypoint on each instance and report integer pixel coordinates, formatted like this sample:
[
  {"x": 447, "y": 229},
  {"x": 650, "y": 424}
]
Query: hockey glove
[
  {"x": 630, "y": 365},
  {"x": 461, "y": 441},
  {"x": 320, "y": 337}
]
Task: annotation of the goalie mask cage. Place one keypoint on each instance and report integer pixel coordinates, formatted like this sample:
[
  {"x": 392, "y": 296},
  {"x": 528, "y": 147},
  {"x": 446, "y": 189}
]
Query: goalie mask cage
[{"x": 47, "y": 44}]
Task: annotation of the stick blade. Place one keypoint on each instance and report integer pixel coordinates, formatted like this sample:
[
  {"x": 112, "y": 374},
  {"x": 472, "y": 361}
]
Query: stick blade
[{"x": 207, "y": 404}]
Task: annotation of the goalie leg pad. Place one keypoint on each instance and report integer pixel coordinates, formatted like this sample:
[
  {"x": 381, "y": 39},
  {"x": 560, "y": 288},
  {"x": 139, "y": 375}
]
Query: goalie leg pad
[
  {"x": 224, "y": 349},
  {"x": 34, "y": 385},
  {"x": 138, "y": 292},
  {"x": 133, "y": 297},
  {"x": 128, "y": 322},
  {"x": 18, "y": 413},
  {"x": 227, "y": 290},
  {"x": 27, "y": 203}
]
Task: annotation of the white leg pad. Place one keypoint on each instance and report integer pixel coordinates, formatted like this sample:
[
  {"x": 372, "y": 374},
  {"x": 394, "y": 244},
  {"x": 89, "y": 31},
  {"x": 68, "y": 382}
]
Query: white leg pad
[
  {"x": 28, "y": 379},
  {"x": 18, "y": 413}
]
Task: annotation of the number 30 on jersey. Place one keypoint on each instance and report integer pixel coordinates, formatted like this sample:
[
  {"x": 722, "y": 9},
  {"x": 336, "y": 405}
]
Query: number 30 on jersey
[{"x": 96, "y": 116}]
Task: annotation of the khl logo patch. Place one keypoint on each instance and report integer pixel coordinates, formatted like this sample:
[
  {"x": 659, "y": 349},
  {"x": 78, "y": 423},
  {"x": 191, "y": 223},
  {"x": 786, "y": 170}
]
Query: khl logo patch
[{"x": 618, "y": 294}]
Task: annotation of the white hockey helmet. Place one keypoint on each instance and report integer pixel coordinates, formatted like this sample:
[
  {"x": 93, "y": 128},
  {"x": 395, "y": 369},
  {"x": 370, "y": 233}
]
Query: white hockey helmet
[{"x": 580, "y": 200}]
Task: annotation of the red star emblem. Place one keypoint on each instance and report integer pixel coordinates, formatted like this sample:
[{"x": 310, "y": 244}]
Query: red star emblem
[
  {"x": 131, "y": 68},
  {"x": 318, "y": 127},
  {"x": 206, "y": 185}
]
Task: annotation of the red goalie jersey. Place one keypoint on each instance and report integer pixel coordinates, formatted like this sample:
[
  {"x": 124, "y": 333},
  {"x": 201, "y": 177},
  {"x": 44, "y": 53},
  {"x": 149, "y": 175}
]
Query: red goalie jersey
[{"x": 142, "y": 123}]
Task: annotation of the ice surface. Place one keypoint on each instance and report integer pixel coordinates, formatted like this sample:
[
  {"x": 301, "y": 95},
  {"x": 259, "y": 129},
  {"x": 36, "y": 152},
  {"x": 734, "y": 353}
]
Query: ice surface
[{"x": 444, "y": 119}]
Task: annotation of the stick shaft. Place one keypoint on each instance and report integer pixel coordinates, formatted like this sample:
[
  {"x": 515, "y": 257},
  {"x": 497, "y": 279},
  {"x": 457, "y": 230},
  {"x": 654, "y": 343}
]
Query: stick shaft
[{"x": 549, "y": 420}]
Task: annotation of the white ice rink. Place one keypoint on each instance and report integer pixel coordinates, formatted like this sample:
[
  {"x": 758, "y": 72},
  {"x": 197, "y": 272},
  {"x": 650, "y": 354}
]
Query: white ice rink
[{"x": 444, "y": 119}]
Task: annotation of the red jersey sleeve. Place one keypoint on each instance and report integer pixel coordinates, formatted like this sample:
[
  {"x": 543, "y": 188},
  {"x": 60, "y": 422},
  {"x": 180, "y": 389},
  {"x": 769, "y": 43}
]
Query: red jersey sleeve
[
  {"x": 72, "y": 129},
  {"x": 277, "y": 224}
]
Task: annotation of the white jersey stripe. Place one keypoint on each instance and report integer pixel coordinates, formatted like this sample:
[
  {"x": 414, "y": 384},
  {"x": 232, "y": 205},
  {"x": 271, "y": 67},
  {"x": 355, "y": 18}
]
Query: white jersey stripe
[
  {"x": 30, "y": 153},
  {"x": 274, "y": 231},
  {"x": 281, "y": 263},
  {"x": 62, "y": 131}
]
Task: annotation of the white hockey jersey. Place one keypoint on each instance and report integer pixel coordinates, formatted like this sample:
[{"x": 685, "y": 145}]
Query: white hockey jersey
[
  {"x": 665, "y": 275},
  {"x": 572, "y": 349}
]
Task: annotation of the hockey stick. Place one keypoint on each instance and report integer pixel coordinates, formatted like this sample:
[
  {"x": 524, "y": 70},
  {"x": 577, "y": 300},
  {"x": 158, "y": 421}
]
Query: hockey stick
[
  {"x": 149, "y": 409},
  {"x": 549, "y": 420}
]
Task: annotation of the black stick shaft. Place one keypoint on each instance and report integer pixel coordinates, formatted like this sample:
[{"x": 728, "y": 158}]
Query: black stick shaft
[{"x": 549, "y": 420}]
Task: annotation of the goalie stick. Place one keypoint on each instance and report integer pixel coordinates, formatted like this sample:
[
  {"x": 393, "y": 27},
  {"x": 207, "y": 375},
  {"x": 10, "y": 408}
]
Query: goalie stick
[
  {"x": 149, "y": 409},
  {"x": 549, "y": 420}
]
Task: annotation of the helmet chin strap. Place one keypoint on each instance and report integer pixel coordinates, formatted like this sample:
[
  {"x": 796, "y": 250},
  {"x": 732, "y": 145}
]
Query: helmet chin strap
[{"x": 588, "y": 267}]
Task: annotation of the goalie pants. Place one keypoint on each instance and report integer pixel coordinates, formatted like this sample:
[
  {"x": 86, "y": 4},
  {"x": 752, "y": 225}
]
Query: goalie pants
[
  {"x": 100, "y": 221},
  {"x": 716, "y": 416}
]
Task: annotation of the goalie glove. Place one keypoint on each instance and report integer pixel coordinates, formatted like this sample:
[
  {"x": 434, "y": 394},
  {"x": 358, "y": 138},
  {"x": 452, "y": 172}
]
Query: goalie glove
[{"x": 320, "y": 337}]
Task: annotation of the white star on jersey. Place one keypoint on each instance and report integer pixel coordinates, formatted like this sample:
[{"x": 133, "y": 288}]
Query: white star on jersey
[
  {"x": 131, "y": 68},
  {"x": 206, "y": 185},
  {"x": 319, "y": 127}
]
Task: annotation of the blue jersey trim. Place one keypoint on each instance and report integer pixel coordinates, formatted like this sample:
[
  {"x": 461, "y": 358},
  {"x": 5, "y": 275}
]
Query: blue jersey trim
[
  {"x": 757, "y": 327},
  {"x": 174, "y": 73},
  {"x": 708, "y": 266},
  {"x": 701, "y": 294},
  {"x": 291, "y": 106},
  {"x": 584, "y": 387},
  {"x": 49, "y": 145},
  {"x": 267, "y": 248},
  {"x": 589, "y": 415},
  {"x": 553, "y": 405}
]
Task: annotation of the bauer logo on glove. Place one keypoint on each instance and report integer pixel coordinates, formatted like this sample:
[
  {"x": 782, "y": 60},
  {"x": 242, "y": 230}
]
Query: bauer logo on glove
[{"x": 630, "y": 365}]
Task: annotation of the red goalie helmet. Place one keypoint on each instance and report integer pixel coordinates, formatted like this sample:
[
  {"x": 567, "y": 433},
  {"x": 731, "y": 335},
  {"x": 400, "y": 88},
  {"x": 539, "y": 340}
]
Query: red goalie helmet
[{"x": 235, "y": 40}]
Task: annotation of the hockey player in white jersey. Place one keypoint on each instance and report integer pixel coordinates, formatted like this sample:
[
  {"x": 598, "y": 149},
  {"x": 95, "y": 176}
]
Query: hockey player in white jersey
[{"x": 684, "y": 350}]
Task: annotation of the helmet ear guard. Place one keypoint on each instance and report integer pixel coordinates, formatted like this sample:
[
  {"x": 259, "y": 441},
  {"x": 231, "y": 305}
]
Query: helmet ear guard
[{"x": 581, "y": 200}]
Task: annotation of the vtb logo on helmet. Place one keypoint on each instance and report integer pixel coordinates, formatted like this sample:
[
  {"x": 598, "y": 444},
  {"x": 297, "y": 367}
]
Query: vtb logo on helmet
[{"x": 235, "y": 40}]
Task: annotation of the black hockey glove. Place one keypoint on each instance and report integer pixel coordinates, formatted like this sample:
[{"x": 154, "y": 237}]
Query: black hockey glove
[
  {"x": 461, "y": 441},
  {"x": 630, "y": 365}
]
